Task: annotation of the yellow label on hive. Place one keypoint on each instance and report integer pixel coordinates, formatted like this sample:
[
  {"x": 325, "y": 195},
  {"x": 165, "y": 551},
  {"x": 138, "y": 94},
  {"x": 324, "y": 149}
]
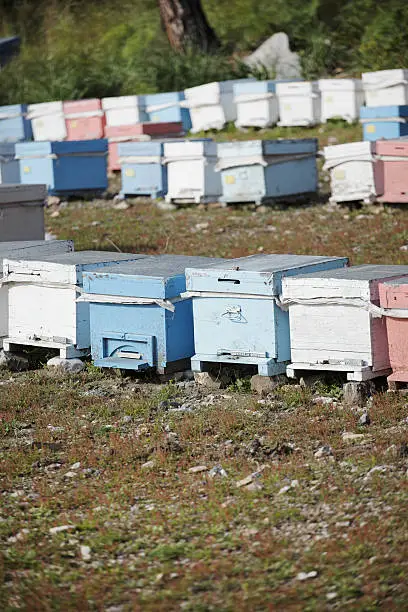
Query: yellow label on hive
[
  {"x": 27, "y": 169},
  {"x": 130, "y": 172},
  {"x": 340, "y": 175},
  {"x": 329, "y": 99},
  {"x": 287, "y": 106},
  {"x": 229, "y": 179},
  {"x": 155, "y": 117},
  {"x": 74, "y": 124},
  {"x": 370, "y": 128}
]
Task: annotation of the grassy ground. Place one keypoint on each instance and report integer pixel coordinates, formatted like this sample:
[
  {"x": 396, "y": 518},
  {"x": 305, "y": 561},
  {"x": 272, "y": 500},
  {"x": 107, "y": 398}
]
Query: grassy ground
[{"x": 107, "y": 458}]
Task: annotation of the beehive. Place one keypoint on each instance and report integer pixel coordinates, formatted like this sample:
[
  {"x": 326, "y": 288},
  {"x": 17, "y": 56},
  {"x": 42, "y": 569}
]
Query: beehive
[
  {"x": 237, "y": 315},
  {"x": 191, "y": 175},
  {"x": 259, "y": 170},
  {"x": 393, "y": 156},
  {"x": 257, "y": 104},
  {"x": 335, "y": 322},
  {"x": 211, "y": 105},
  {"x": 22, "y": 212},
  {"x": 14, "y": 125},
  {"x": 394, "y": 301},
  {"x": 136, "y": 133},
  {"x": 124, "y": 110},
  {"x": 384, "y": 122},
  {"x": 299, "y": 103},
  {"x": 67, "y": 168},
  {"x": 341, "y": 99},
  {"x": 85, "y": 119},
  {"x": 138, "y": 318},
  {"x": 142, "y": 168},
  {"x": 355, "y": 173},
  {"x": 51, "y": 285},
  {"x": 166, "y": 108},
  {"x": 22, "y": 249},
  {"x": 386, "y": 87},
  {"x": 47, "y": 121},
  {"x": 9, "y": 165}
]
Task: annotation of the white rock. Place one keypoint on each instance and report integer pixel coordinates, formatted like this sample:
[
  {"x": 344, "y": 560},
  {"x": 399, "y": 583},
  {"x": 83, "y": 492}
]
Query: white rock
[
  {"x": 197, "y": 469},
  {"x": 323, "y": 451},
  {"x": 275, "y": 54},
  {"x": 353, "y": 437},
  {"x": 148, "y": 465},
  {"x": 332, "y": 595},
  {"x": 306, "y": 575},
  {"x": 85, "y": 553},
  {"x": 61, "y": 528},
  {"x": 76, "y": 466},
  {"x": 70, "y": 475},
  {"x": 67, "y": 365}
]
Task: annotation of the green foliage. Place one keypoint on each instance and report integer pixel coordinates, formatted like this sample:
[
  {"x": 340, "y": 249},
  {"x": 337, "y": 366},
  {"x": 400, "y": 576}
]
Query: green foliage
[{"x": 76, "y": 50}]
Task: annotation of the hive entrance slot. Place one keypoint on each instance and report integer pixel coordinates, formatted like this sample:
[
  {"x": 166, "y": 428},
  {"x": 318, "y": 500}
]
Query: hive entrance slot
[{"x": 233, "y": 281}]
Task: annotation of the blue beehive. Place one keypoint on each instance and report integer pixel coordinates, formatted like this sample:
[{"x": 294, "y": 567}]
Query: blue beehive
[
  {"x": 14, "y": 126},
  {"x": 258, "y": 170},
  {"x": 384, "y": 122},
  {"x": 138, "y": 319},
  {"x": 143, "y": 172},
  {"x": 166, "y": 107},
  {"x": 238, "y": 318},
  {"x": 67, "y": 168},
  {"x": 9, "y": 165}
]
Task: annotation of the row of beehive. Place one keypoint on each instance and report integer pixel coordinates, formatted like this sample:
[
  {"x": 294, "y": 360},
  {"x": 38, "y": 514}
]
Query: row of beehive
[
  {"x": 183, "y": 170},
  {"x": 279, "y": 313},
  {"x": 368, "y": 171},
  {"x": 246, "y": 101}
]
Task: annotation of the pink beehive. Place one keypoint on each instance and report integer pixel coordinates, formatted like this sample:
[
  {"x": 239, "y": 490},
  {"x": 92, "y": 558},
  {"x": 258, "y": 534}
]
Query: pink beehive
[
  {"x": 394, "y": 298},
  {"x": 137, "y": 132},
  {"x": 393, "y": 156},
  {"x": 84, "y": 119}
]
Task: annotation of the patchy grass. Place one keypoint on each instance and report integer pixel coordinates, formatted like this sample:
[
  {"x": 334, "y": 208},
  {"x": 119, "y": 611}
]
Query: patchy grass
[{"x": 108, "y": 457}]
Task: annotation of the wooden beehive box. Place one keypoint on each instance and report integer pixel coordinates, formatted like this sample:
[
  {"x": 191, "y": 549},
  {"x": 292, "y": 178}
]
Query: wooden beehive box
[
  {"x": 142, "y": 169},
  {"x": 47, "y": 121},
  {"x": 341, "y": 99},
  {"x": 85, "y": 119},
  {"x": 14, "y": 125},
  {"x": 51, "y": 285},
  {"x": 335, "y": 324},
  {"x": 166, "y": 108},
  {"x": 261, "y": 170},
  {"x": 237, "y": 316},
  {"x": 393, "y": 156},
  {"x": 124, "y": 110},
  {"x": 23, "y": 249},
  {"x": 191, "y": 173},
  {"x": 22, "y": 212},
  {"x": 67, "y": 168},
  {"x": 9, "y": 165},
  {"x": 384, "y": 122},
  {"x": 299, "y": 103},
  {"x": 257, "y": 104},
  {"x": 138, "y": 319},
  {"x": 385, "y": 87},
  {"x": 394, "y": 301},
  {"x": 355, "y": 173}
]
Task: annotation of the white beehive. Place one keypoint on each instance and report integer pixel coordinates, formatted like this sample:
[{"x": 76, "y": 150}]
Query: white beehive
[
  {"x": 354, "y": 172},
  {"x": 299, "y": 103},
  {"x": 50, "y": 286},
  {"x": 211, "y": 105},
  {"x": 22, "y": 212},
  {"x": 124, "y": 110},
  {"x": 191, "y": 175},
  {"x": 386, "y": 87},
  {"x": 335, "y": 321},
  {"x": 341, "y": 99},
  {"x": 25, "y": 249},
  {"x": 47, "y": 121}
]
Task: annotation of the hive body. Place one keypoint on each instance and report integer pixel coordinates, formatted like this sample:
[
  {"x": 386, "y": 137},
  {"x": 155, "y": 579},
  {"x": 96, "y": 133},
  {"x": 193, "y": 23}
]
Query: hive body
[
  {"x": 167, "y": 108},
  {"x": 384, "y": 122},
  {"x": 386, "y": 87},
  {"x": 341, "y": 99},
  {"x": 394, "y": 298},
  {"x": 85, "y": 119},
  {"x": 47, "y": 121},
  {"x": 143, "y": 171},
  {"x": 14, "y": 125},
  {"x": 9, "y": 165},
  {"x": 299, "y": 103}
]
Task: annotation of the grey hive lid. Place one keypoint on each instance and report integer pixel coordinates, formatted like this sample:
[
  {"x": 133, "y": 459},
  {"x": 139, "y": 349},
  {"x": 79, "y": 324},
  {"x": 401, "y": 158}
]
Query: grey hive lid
[
  {"x": 270, "y": 263},
  {"x": 366, "y": 272},
  {"x": 161, "y": 266},
  {"x": 81, "y": 257},
  {"x": 15, "y": 194}
]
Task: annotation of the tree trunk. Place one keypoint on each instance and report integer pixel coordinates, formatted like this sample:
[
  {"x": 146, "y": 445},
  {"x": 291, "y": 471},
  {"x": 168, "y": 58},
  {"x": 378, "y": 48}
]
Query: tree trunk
[{"x": 186, "y": 25}]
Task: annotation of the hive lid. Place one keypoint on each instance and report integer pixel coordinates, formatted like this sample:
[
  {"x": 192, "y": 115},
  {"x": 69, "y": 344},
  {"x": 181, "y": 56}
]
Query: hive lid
[
  {"x": 21, "y": 248},
  {"x": 340, "y": 84},
  {"x": 256, "y": 274},
  {"x": 44, "y": 108},
  {"x": 78, "y": 106},
  {"x": 381, "y": 79},
  {"x": 383, "y": 112},
  {"x": 157, "y": 277},
  {"x": 267, "y": 147},
  {"x": 12, "y": 110},
  {"x": 69, "y": 147},
  {"x": 118, "y": 102},
  {"x": 350, "y": 150},
  {"x": 397, "y": 148},
  {"x": 297, "y": 88},
  {"x": 187, "y": 149},
  {"x": 368, "y": 272},
  {"x": 17, "y": 194},
  {"x": 170, "y": 97},
  {"x": 141, "y": 149},
  {"x": 254, "y": 87},
  {"x": 397, "y": 282}
]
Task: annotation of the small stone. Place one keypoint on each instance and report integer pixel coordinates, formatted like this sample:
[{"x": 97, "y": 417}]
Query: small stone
[
  {"x": 323, "y": 400},
  {"x": 70, "y": 475},
  {"x": 244, "y": 482},
  {"x": 217, "y": 470},
  {"x": 353, "y": 437},
  {"x": 148, "y": 465},
  {"x": 330, "y": 596},
  {"x": 284, "y": 489},
  {"x": 53, "y": 201},
  {"x": 15, "y": 362},
  {"x": 254, "y": 486},
  {"x": 364, "y": 419},
  {"x": 263, "y": 385},
  {"x": 66, "y": 365},
  {"x": 310, "y": 380},
  {"x": 85, "y": 553},
  {"x": 197, "y": 469},
  {"x": 323, "y": 451},
  {"x": 202, "y": 226},
  {"x": 162, "y": 205},
  {"x": 76, "y": 466},
  {"x": 355, "y": 394},
  {"x": 127, "y": 419},
  {"x": 60, "y": 529},
  {"x": 123, "y": 205},
  {"x": 205, "y": 379},
  {"x": 302, "y": 576}
]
